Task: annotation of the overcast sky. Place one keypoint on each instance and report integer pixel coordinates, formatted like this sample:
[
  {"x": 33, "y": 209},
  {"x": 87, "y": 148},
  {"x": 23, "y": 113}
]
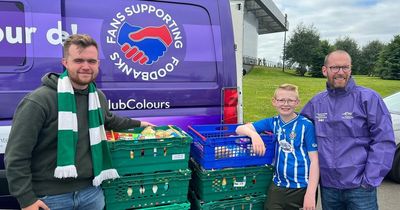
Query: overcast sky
[{"x": 361, "y": 20}]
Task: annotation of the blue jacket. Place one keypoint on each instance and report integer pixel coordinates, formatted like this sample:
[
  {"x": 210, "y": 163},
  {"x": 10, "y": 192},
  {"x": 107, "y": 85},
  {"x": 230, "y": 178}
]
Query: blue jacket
[{"x": 355, "y": 136}]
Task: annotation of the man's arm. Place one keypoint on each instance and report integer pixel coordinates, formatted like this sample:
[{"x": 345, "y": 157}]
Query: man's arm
[
  {"x": 111, "y": 120},
  {"x": 27, "y": 122},
  {"x": 382, "y": 144}
]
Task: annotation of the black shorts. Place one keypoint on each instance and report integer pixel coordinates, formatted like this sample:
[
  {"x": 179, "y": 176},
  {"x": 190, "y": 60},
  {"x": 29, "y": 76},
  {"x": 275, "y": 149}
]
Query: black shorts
[{"x": 284, "y": 198}]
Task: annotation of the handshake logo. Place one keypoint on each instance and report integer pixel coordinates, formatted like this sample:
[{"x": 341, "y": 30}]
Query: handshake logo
[{"x": 144, "y": 45}]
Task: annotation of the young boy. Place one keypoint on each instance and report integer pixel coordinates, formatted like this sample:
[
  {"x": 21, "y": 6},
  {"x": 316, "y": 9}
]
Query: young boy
[{"x": 296, "y": 174}]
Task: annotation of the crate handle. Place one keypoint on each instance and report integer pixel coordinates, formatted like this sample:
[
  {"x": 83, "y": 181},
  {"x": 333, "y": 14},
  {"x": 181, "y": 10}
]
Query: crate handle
[
  {"x": 197, "y": 133},
  {"x": 177, "y": 132},
  {"x": 243, "y": 140},
  {"x": 222, "y": 127}
]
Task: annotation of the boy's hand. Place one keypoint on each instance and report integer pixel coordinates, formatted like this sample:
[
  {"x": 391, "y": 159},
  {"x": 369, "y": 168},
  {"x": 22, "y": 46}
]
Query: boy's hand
[
  {"x": 309, "y": 201},
  {"x": 258, "y": 145}
]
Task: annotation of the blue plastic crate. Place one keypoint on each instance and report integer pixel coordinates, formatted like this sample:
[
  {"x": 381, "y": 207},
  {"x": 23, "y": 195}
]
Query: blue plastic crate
[{"x": 218, "y": 146}]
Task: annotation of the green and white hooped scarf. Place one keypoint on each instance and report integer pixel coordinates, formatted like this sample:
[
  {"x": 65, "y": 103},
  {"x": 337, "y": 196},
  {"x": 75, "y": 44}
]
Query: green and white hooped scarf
[{"x": 68, "y": 134}]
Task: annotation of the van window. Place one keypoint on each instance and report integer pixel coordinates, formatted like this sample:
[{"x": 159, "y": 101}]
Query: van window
[{"x": 12, "y": 34}]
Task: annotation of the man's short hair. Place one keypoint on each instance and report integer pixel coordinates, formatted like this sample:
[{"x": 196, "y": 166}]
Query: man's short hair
[
  {"x": 335, "y": 51},
  {"x": 81, "y": 40}
]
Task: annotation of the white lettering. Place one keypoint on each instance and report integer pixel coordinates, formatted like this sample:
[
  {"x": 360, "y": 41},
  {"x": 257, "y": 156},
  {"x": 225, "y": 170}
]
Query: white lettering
[
  {"x": 115, "y": 24},
  {"x": 136, "y": 74},
  {"x": 175, "y": 61},
  {"x": 56, "y": 36},
  {"x": 121, "y": 17},
  {"x": 14, "y": 35},
  {"x": 18, "y": 35},
  {"x": 122, "y": 105},
  {"x": 167, "y": 18},
  {"x": 134, "y": 104},
  {"x": 120, "y": 64},
  {"x": 159, "y": 13},
  {"x": 55, "y": 31},
  {"x": 74, "y": 28},
  {"x": 162, "y": 72},
  {"x": 4, "y": 133},
  {"x": 178, "y": 44},
  {"x": 127, "y": 69},
  {"x": 145, "y": 76},
  {"x": 114, "y": 56},
  {"x": 152, "y": 8},
  {"x": 144, "y": 7},
  {"x": 29, "y": 33},
  {"x": 131, "y": 103},
  {"x": 128, "y": 11}
]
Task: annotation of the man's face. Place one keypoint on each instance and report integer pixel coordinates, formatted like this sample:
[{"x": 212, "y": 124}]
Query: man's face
[
  {"x": 82, "y": 65},
  {"x": 337, "y": 70}
]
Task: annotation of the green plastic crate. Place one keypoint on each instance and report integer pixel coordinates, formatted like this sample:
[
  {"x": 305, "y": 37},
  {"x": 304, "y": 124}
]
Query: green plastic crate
[
  {"x": 244, "y": 203},
  {"x": 151, "y": 155},
  {"x": 147, "y": 190},
  {"x": 175, "y": 206},
  {"x": 211, "y": 185}
]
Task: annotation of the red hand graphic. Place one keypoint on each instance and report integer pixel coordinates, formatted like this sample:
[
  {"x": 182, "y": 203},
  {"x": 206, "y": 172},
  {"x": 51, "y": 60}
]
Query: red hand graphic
[
  {"x": 134, "y": 53},
  {"x": 161, "y": 33}
]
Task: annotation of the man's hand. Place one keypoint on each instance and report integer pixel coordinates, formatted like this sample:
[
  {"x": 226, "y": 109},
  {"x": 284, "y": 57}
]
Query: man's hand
[
  {"x": 145, "y": 124},
  {"x": 36, "y": 206}
]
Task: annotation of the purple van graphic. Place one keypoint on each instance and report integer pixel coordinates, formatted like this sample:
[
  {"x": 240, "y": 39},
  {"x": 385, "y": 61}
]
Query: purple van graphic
[
  {"x": 146, "y": 41},
  {"x": 169, "y": 62},
  {"x": 144, "y": 45}
]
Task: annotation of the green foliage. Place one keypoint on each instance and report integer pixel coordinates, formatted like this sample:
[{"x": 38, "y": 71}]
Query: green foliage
[
  {"x": 302, "y": 47},
  {"x": 318, "y": 60},
  {"x": 389, "y": 60},
  {"x": 350, "y": 46},
  {"x": 370, "y": 56},
  {"x": 259, "y": 86}
]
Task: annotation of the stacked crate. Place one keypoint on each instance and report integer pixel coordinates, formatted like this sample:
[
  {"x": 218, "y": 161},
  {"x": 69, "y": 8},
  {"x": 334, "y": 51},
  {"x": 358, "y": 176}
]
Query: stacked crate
[
  {"x": 153, "y": 169},
  {"x": 226, "y": 173}
]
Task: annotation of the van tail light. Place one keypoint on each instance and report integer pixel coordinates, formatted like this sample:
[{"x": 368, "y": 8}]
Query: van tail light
[{"x": 230, "y": 109}]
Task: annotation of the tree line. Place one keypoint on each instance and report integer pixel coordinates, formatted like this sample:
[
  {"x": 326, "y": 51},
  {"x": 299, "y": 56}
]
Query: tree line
[{"x": 307, "y": 52}]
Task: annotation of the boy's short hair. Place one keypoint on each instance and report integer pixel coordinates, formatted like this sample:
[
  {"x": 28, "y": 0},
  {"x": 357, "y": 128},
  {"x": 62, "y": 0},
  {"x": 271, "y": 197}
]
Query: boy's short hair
[
  {"x": 289, "y": 87},
  {"x": 81, "y": 40}
]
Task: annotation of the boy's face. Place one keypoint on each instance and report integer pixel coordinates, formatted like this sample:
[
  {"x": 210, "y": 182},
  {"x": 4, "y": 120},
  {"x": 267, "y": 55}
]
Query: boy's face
[{"x": 285, "y": 102}]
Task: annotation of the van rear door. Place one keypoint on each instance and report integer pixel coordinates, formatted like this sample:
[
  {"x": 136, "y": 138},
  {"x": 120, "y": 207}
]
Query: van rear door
[
  {"x": 30, "y": 43},
  {"x": 163, "y": 61}
]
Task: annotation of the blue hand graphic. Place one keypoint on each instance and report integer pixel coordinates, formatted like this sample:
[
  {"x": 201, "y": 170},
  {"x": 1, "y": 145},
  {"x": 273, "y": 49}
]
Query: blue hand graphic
[{"x": 146, "y": 50}]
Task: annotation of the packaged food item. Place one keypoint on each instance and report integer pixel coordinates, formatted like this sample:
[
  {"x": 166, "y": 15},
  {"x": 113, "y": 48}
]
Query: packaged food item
[{"x": 150, "y": 132}]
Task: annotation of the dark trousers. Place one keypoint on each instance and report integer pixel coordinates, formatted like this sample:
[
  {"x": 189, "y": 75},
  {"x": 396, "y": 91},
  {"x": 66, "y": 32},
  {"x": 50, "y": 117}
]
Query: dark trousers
[
  {"x": 280, "y": 198},
  {"x": 349, "y": 199}
]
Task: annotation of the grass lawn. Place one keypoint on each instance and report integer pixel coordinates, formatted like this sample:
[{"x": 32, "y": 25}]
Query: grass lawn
[{"x": 259, "y": 86}]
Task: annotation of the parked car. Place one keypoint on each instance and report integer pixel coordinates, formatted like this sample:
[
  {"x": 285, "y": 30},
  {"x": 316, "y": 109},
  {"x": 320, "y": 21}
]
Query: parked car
[{"x": 393, "y": 104}]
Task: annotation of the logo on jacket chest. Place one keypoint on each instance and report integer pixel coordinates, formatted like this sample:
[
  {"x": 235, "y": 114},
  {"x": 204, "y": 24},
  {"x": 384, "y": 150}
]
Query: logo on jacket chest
[
  {"x": 347, "y": 115},
  {"x": 321, "y": 117}
]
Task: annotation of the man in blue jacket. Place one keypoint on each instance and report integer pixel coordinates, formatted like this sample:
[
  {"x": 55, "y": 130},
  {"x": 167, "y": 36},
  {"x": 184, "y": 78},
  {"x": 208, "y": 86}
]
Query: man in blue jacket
[{"x": 355, "y": 138}]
